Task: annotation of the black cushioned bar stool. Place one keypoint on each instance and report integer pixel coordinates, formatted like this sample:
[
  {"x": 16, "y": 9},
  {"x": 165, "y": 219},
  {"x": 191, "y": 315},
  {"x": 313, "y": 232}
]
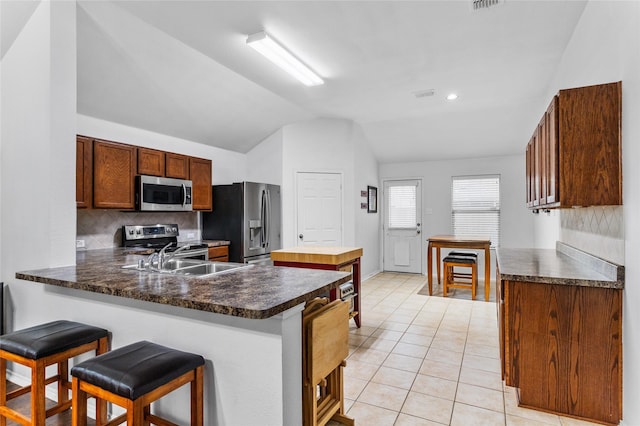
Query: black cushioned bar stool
[
  {"x": 38, "y": 347},
  {"x": 133, "y": 377},
  {"x": 454, "y": 279},
  {"x": 456, "y": 253}
]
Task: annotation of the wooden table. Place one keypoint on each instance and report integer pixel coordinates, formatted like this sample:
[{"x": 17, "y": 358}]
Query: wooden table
[
  {"x": 332, "y": 258},
  {"x": 450, "y": 241}
]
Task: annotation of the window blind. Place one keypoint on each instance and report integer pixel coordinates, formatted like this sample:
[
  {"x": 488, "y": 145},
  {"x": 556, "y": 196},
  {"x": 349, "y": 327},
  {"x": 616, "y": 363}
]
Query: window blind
[
  {"x": 475, "y": 207},
  {"x": 402, "y": 207}
]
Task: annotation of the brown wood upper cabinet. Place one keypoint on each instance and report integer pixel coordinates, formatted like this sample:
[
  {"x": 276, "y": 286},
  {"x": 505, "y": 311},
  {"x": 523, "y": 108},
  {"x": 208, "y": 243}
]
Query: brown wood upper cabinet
[
  {"x": 84, "y": 172},
  {"x": 574, "y": 155},
  {"x": 150, "y": 162},
  {"x": 177, "y": 166},
  {"x": 114, "y": 171},
  {"x": 200, "y": 172},
  {"x": 105, "y": 173}
]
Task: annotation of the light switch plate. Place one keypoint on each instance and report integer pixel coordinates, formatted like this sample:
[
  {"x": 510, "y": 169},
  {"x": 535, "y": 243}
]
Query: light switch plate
[
  {"x": 428, "y": 211},
  {"x": 79, "y": 243}
]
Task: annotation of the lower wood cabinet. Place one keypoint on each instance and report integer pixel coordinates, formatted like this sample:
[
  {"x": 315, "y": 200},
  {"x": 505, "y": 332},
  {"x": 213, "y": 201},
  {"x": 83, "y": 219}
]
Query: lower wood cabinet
[
  {"x": 219, "y": 254},
  {"x": 561, "y": 346}
]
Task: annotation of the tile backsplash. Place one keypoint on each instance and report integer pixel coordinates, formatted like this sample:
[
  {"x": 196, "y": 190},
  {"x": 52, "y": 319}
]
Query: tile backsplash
[
  {"x": 596, "y": 230},
  {"x": 103, "y": 228}
]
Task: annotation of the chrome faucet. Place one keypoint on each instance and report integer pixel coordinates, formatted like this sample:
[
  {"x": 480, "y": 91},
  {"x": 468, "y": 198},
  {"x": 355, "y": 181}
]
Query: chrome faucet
[{"x": 163, "y": 257}]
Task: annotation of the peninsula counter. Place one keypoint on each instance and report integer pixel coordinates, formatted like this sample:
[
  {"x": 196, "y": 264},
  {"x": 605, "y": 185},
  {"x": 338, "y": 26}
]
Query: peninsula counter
[{"x": 246, "y": 323}]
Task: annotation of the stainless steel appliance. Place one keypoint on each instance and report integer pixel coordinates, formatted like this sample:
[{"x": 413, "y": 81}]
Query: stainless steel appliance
[
  {"x": 249, "y": 215},
  {"x": 347, "y": 292},
  {"x": 145, "y": 239},
  {"x": 163, "y": 194}
]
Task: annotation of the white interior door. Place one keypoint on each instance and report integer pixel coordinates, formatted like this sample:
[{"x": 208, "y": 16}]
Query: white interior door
[
  {"x": 402, "y": 227},
  {"x": 319, "y": 207}
]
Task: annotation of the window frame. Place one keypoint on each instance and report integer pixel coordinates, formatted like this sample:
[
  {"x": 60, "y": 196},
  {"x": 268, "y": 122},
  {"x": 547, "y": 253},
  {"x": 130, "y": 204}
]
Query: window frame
[{"x": 487, "y": 211}]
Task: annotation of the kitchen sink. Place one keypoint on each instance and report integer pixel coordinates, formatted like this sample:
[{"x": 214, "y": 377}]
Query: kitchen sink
[
  {"x": 191, "y": 267},
  {"x": 209, "y": 268}
]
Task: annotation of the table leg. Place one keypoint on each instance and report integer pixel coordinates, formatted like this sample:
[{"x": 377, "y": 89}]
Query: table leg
[
  {"x": 487, "y": 272},
  {"x": 430, "y": 266},
  {"x": 438, "y": 262},
  {"x": 356, "y": 286}
]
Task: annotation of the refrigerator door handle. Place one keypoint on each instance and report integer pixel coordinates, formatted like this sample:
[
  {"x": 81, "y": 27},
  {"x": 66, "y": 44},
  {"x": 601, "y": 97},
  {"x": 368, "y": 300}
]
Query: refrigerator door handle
[
  {"x": 263, "y": 213},
  {"x": 267, "y": 222}
]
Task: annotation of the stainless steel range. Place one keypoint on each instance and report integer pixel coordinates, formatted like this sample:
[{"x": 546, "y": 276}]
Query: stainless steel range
[{"x": 147, "y": 239}]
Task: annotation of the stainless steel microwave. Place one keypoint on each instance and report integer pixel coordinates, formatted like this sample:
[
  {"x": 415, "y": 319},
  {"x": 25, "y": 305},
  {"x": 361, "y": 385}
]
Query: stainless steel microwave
[{"x": 163, "y": 194}]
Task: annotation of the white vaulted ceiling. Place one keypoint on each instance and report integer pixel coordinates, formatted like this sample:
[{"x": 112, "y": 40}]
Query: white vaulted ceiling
[{"x": 183, "y": 69}]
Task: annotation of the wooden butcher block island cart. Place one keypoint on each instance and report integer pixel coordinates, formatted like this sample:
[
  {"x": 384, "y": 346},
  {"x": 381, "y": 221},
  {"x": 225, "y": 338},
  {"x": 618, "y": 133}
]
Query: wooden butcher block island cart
[
  {"x": 332, "y": 258},
  {"x": 325, "y": 335}
]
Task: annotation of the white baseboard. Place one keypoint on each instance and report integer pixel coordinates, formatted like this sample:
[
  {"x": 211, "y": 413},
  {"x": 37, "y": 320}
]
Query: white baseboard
[{"x": 371, "y": 275}]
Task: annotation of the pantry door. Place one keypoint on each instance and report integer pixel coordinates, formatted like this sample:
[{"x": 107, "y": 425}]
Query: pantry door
[
  {"x": 402, "y": 226},
  {"x": 319, "y": 209}
]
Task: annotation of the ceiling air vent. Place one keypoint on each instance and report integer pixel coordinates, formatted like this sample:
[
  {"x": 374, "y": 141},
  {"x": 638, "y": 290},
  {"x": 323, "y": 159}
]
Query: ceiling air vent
[
  {"x": 484, "y": 4},
  {"x": 424, "y": 93}
]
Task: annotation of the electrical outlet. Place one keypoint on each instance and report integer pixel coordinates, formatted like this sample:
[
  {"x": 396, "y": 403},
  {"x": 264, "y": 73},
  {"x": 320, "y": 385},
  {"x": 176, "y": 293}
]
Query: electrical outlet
[
  {"x": 428, "y": 211},
  {"x": 79, "y": 243},
  {"x": 191, "y": 235}
]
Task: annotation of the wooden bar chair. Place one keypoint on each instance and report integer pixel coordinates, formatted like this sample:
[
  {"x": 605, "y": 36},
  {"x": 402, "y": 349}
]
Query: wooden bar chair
[
  {"x": 38, "y": 347},
  {"x": 133, "y": 377},
  {"x": 457, "y": 279}
]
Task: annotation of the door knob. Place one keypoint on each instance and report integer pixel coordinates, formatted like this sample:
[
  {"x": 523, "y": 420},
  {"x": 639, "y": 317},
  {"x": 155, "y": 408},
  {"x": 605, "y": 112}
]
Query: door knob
[{"x": 300, "y": 236}]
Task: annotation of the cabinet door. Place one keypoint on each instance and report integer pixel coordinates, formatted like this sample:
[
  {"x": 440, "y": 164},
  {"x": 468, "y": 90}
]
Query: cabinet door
[
  {"x": 176, "y": 166},
  {"x": 84, "y": 172},
  {"x": 542, "y": 143},
  {"x": 528, "y": 175},
  {"x": 200, "y": 171},
  {"x": 552, "y": 151},
  {"x": 114, "y": 169},
  {"x": 589, "y": 128},
  {"x": 219, "y": 254},
  {"x": 150, "y": 162},
  {"x": 537, "y": 161},
  {"x": 564, "y": 348}
]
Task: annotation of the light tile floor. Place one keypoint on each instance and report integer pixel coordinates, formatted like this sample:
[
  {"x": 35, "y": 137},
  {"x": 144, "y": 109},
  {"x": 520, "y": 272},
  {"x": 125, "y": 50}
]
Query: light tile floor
[{"x": 421, "y": 360}]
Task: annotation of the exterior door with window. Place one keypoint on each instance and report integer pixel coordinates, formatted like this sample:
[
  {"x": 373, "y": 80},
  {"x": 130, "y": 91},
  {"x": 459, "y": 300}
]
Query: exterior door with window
[
  {"x": 402, "y": 226},
  {"x": 319, "y": 206}
]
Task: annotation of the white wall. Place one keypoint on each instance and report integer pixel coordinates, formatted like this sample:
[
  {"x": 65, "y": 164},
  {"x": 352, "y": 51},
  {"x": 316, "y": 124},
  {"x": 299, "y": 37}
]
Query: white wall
[
  {"x": 322, "y": 145},
  {"x": 516, "y": 222},
  {"x": 264, "y": 162},
  {"x": 605, "y": 47},
  {"x": 38, "y": 138},
  {"x": 367, "y": 225}
]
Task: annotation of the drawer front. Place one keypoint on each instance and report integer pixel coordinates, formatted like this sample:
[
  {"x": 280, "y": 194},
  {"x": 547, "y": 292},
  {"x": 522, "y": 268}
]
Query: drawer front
[{"x": 217, "y": 252}]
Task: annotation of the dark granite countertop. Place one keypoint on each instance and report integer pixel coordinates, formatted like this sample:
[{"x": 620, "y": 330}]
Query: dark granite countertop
[
  {"x": 565, "y": 266},
  {"x": 255, "y": 292}
]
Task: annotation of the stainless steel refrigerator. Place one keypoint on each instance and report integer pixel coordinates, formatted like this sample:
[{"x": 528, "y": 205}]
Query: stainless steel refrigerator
[{"x": 249, "y": 215}]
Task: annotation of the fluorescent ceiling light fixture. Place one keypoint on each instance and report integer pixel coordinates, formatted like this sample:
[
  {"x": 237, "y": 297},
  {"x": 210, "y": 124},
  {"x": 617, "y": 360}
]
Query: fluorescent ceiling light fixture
[
  {"x": 280, "y": 56},
  {"x": 452, "y": 97}
]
